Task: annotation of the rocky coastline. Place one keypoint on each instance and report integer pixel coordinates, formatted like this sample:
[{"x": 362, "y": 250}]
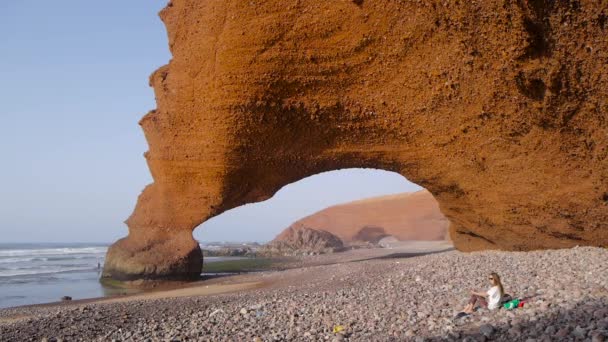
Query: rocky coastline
[{"x": 361, "y": 295}]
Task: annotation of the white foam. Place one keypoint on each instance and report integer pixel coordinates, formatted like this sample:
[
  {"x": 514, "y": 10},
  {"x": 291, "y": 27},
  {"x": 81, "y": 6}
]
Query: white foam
[
  {"x": 30, "y": 262},
  {"x": 14, "y": 260},
  {"x": 52, "y": 251},
  {"x": 40, "y": 271}
]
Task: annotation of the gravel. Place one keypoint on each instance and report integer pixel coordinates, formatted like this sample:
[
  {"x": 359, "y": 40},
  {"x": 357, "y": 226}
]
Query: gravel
[{"x": 394, "y": 298}]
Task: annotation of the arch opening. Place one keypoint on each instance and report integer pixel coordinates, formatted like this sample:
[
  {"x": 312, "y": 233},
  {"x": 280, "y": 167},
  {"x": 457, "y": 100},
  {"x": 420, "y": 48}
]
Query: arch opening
[{"x": 357, "y": 204}]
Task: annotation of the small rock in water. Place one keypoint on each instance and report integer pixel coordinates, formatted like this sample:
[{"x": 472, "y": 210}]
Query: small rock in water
[{"x": 66, "y": 298}]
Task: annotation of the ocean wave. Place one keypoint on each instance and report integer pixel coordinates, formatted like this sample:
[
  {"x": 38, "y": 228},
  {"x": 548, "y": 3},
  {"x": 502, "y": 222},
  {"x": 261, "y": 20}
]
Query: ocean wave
[
  {"x": 42, "y": 271},
  {"x": 16, "y": 260},
  {"x": 13, "y": 297},
  {"x": 35, "y": 266},
  {"x": 52, "y": 251},
  {"x": 50, "y": 258}
]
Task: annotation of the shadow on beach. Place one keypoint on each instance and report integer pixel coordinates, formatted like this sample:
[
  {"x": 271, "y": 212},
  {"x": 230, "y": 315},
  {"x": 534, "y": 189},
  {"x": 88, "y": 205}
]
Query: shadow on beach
[
  {"x": 586, "y": 320},
  {"x": 362, "y": 255},
  {"x": 405, "y": 255}
]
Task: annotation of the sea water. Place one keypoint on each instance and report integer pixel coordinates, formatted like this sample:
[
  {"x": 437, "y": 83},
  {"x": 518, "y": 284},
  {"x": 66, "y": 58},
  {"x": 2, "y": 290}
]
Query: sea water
[
  {"x": 43, "y": 273},
  {"x": 40, "y": 273}
]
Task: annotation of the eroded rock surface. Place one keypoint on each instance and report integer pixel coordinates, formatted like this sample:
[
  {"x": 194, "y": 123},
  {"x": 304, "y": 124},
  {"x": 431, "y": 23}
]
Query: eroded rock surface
[{"x": 498, "y": 108}]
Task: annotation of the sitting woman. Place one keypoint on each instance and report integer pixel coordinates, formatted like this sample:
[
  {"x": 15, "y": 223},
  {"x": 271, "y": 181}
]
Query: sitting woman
[{"x": 490, "y": 299}]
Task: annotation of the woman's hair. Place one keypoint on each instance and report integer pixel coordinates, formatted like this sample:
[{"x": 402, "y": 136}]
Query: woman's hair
[{"x": 496, "y": 281}]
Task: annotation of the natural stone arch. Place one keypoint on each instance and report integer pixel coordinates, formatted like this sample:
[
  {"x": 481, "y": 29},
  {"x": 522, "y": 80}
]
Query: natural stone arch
[{"x": 498, "y": 108}]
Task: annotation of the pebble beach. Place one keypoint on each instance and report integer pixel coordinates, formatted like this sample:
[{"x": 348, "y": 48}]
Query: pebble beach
[{"x": 376, "y": 295}]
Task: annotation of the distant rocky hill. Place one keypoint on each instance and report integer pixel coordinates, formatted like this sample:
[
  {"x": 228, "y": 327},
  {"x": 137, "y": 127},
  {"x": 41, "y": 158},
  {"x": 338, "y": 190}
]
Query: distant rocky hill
[
  {"x": 407, "y": 216},
  {"x": 301, "y": 240}
]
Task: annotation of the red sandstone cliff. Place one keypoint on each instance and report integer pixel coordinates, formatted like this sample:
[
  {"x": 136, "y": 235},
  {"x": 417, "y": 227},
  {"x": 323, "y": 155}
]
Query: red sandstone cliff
[{"x": 407, "y": 216}]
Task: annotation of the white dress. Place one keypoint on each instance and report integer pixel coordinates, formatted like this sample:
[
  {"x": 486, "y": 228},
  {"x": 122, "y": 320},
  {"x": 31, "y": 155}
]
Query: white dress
[{"x": 493, "y": 297}]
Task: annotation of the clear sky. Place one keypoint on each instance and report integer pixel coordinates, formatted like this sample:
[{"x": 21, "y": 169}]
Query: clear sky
[{"x": 74, "y": 84}]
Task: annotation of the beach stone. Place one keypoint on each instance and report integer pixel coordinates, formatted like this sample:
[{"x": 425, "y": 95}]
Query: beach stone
[
  {"x": 551, "y": 330},
  {"x": 515, "y": 331},
  {"x": 579, "y": 332},
  {"x": 562, "y": 333},
  {"x": 487, "y": 330},
  {"x": 598, "y": 336},
  {"x": 600, "y": 313}
]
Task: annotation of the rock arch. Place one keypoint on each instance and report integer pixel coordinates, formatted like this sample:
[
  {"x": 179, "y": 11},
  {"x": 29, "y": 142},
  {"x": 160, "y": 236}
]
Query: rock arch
[{"x": 496, "y": 107}]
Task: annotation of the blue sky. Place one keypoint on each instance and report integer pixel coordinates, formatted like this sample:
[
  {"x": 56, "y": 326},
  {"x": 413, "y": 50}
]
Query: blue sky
[{"x": 74, "y": 84}]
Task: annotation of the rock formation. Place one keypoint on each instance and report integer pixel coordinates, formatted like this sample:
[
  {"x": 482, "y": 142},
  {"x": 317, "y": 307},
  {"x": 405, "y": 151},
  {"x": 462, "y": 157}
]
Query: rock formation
[
  {"x": 301, "y": 240},
  {"x": 498, "y": 108},
  {"x": 407, "y": 216}
]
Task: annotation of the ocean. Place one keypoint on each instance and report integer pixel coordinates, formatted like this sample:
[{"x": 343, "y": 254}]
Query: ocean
[{"x": 45, "y": 272}]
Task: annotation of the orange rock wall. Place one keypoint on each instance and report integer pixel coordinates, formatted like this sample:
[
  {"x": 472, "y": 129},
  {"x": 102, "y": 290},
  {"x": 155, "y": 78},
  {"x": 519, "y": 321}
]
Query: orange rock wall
[{"x": 498, "y": 108}]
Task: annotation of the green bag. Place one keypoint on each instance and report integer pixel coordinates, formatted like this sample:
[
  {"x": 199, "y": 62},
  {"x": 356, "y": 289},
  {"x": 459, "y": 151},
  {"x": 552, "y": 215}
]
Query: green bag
[{"x": 511, "y": 304}]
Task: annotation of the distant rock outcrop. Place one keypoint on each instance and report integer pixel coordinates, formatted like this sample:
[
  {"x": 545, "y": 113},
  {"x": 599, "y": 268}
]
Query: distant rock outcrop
[
  {"x": 229, "y": 252},
  {"x": 407, "y": 216},
  {"x": 301, "y": 240}
]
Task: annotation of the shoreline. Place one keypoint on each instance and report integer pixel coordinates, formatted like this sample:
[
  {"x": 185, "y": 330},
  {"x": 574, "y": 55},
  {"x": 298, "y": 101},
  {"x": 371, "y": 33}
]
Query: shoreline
[{"x": 276, "y": 264}]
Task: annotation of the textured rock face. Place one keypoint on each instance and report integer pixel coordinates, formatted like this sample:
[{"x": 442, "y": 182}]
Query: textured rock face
[
  {"x": 407, "y": 216},
  {"x": 299, "y": 239},
  {"x": 498, "y": 108}
]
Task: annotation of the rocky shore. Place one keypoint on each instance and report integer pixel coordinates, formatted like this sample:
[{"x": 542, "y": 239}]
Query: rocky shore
[{"x": 386, "y": 295}]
